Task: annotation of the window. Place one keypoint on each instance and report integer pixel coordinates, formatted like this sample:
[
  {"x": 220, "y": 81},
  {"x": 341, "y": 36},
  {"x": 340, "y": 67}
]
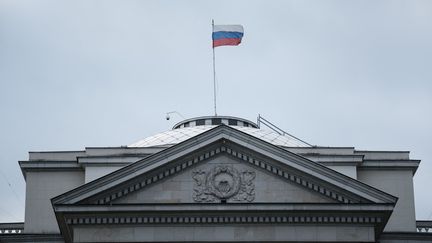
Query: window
[
  {"x": 232, "y": 122},
  {"x": 200, "y": 122},
  {"x": 216, "y": 121}
]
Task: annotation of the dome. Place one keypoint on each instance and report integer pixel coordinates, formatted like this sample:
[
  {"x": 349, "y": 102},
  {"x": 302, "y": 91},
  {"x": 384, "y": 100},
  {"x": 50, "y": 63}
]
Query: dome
[{"x": 191, "y": 127}]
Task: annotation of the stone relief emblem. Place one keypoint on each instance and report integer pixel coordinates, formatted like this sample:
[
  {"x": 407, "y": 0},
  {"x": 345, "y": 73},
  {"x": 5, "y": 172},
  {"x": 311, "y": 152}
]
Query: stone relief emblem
[{"x": 222, "y": 183}]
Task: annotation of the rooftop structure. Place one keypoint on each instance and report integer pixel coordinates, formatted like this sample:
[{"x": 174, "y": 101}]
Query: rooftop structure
[{"x": 191, "y": 127}]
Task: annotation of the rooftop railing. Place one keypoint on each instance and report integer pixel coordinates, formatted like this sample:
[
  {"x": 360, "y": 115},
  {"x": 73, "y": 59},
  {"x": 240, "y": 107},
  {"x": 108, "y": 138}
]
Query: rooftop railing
[
  {"x": 424, "y": 226},
  {"x": 11, "y": 228}
]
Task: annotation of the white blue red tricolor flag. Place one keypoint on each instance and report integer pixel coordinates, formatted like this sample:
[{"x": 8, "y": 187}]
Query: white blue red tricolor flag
[{"x": 227, "y": 35}]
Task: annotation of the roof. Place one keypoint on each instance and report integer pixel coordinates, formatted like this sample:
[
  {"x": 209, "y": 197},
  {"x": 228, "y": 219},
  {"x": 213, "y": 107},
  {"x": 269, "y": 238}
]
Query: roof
[
  {"x": 178, "y": 135},
  {"x": 191, "y": 127}
]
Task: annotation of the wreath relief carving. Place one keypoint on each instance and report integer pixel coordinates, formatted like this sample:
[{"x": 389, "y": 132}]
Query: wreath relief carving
[{"x": 223, "y": 182}]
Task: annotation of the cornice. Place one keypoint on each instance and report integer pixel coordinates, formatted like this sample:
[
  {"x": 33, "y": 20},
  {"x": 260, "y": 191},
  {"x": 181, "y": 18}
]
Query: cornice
[
  {"x": 335, "y": 159},
  {"x": 187, "y": 208},
  {"x": 42, "y": 165},
  {"x": 110, "y": 160},
  {"x": 232, "y": 213},
  {"x": 390, "y": 165}
]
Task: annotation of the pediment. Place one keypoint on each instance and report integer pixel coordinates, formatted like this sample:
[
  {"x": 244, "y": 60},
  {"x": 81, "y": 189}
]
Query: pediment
[
  {"x": 223, "y": 178},
  {"x": 154, "y": 178}
]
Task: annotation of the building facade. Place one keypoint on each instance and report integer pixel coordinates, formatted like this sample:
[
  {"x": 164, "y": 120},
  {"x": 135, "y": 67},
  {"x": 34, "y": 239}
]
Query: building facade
[{"x": 219, "y": 179}]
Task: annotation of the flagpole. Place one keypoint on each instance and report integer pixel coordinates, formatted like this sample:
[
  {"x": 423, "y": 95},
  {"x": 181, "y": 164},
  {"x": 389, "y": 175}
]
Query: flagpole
[{"x": 214, "y": 72}]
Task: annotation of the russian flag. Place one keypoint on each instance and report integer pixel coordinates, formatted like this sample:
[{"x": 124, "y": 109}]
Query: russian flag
[{"x": 227, "y": 35}]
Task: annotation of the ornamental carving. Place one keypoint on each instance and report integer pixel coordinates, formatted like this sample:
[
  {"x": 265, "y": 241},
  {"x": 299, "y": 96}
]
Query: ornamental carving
[{"x": 223, "y": 182}]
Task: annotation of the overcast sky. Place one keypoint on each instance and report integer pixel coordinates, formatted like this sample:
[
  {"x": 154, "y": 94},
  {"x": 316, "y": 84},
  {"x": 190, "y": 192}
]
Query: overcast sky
[{"x": 104, "y": 73}]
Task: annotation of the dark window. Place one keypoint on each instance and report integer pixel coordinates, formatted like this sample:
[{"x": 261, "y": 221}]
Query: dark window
[
  {"x": 200, "y": 122},
  {"x": 245, "y": 124},
  {"x": 232, "y": 122},
  {"x": 216, "y": 121},
  {"x": 186, "y": 124}
]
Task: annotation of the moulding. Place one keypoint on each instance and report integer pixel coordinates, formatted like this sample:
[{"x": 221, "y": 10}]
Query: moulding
[{"x": 215, "y": 219}]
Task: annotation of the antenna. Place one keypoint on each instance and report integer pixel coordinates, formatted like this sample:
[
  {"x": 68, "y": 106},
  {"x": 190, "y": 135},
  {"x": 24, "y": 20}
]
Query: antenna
[{"x": 262, "y": 120}]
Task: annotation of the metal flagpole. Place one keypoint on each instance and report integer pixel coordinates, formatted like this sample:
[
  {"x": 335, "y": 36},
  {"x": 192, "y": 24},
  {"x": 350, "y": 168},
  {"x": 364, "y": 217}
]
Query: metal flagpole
[{"x": 214, "y": 72}]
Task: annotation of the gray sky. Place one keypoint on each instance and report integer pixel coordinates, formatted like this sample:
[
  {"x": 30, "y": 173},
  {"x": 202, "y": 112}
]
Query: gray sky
[{"x": 104, "y": 73}]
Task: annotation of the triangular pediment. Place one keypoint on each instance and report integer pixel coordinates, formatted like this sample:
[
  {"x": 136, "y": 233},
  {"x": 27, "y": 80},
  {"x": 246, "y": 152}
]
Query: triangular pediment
[
  {"x": 201, "y": 159},
  {"x": 223, "y": 178}
]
